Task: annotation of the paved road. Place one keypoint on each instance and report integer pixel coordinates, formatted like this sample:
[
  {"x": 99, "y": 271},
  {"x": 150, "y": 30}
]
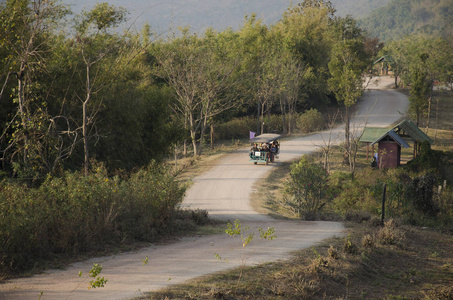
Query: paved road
[{"x": 224, "y": 191}]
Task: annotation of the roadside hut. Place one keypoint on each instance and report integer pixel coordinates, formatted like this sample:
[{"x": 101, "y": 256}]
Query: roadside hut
[
  {"x": 384, "y": 62},
  {"x": 390, "y": 140},
  {"x": 389, "y": 150}
]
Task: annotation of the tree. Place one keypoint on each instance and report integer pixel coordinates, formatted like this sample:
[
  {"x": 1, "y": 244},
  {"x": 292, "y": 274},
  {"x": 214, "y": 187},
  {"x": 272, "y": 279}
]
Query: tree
[
  {"x": 347, "y": 66},
  {"x": 201, "y": 74},
  {"x": 26, "y": 28},
  {"x": 346, "y": 82},
  {"x": 306, "y": 30},
  {"x": 420, "y": 90},
  {"x": 307, "y": 188},
  {"x": 92, "y": 38}
]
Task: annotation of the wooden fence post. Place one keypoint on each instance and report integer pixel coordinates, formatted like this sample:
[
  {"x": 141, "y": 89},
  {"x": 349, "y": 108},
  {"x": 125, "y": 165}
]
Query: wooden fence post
[{"x": 383, "y": 204}]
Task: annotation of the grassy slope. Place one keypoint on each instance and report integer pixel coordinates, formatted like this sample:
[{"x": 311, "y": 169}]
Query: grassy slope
[{"x": 397, "y": 262}]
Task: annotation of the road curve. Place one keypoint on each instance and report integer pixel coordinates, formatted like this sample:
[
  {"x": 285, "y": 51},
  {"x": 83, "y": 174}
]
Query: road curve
[{"x": 224, "y": 191}]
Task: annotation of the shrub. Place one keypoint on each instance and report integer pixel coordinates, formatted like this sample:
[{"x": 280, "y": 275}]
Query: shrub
[
  {"x": 307, "y": 188},
  {"x": 309, "y": 121},
  {"x": 349, "y": 246},
  {"x": 367, "y": 241},
  {"x": 428, "y": 159},
  {"x": 333, "y": 252},
  {"x": 77, "y": 213},
  {"x": 239, "y": 128},
  {"x": 236, "y": 128},
  {"x": 389, "y": 234},
  {"x": 420, "y": 192}
]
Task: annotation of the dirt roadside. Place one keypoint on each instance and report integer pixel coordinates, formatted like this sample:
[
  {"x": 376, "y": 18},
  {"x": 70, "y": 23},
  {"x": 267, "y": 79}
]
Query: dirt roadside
[{"x": 224, "y": 191}]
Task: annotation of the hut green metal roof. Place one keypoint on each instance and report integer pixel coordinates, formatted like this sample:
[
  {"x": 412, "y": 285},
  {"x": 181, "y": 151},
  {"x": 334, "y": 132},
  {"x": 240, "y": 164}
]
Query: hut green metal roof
[
  {"x": 404, "y": 129},
  {"x": 408, "y": 128},
  {"x": 371, "y": 134},
  {"x": 394, "y": 136},
  {"x": 386, "y": 58}
]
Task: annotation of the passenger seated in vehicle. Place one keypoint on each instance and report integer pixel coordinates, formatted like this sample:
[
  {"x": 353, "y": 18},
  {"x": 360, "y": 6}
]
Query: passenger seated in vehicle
[{"x": 273, "y": 148}]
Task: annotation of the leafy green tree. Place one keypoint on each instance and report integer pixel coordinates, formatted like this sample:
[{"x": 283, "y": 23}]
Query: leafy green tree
[
  {"x": 307, "y": 33},
  {"x": 348, "y": 64},
  {"x": 420, "y": 90},
  {"x": 346, "y": 82},
  {"x": 307, "y": 188},
  {"x": 26, "y": 40}
]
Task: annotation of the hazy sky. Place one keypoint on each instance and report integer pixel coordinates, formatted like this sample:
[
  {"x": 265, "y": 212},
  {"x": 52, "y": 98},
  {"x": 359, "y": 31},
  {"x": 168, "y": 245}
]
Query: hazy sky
[{"x": 199, "y": 14}]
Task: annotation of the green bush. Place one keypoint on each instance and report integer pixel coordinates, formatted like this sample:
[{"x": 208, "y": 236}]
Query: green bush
[
  {"x": 310, "y": 121},
  {"x": 410, "y": 197},
  {"x": 420, "y": 192},
  {"x": 239, "y": 128},
  {"x": 355, "y": 199},
  {"x": 75, "y": 214},
  {"x": 236, "y": 128},
  {"x": 307, "y": 190}
]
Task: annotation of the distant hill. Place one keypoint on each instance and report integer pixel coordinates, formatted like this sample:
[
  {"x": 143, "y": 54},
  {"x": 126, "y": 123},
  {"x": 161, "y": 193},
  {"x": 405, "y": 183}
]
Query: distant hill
[
  {"x": 358, "y": 8},
  {"x": 402, "y": 17},
  {"x": 219, "y": 14}
]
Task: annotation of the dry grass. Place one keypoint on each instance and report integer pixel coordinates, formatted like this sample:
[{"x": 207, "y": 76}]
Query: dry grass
[{"x": 418, "y": 265}]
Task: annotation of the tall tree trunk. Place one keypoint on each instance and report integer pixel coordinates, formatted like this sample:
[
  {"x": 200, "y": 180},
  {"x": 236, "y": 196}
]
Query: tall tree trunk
[
  {"x": 283, "y": 110},
  {"x": 202, "y": 133},
  {"x": 212, "y": 134},
  {"x": 262, "y": 119},
  {"x": 194, "y": 142},
  {"x": 347, "y": 134},
  {"x": 429, "y": 115},
  {"x": 85, "y": 137},
  {"x": 193, "y": 133},
  {"x": 437, "y": 119},
  {"x": 21, "y": 96},
  {"x": 85, "y": 123}
]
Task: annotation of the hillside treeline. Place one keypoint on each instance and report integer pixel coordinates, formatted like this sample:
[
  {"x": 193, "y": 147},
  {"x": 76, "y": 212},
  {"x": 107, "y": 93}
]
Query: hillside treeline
[
  {"x": 401, "y": 18},
  {"x": 88, "y": 92}
]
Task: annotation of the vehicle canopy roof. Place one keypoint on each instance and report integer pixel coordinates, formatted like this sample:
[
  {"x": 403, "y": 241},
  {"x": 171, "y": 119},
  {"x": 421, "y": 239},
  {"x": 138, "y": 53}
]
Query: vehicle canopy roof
[{"x": 265, "y": 138}]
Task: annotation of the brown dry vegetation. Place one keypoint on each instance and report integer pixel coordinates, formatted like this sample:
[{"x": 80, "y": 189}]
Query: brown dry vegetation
[
  {"x": 395, "y": 262},
  {"x": 374, "y": 262}
]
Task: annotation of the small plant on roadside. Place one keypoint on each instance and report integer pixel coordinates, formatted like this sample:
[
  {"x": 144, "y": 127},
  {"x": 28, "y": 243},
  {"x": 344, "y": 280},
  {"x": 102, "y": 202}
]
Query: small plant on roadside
[
  {"x": 390, "y": 234},
  {"x": 333, "y": 252},
  {"x": 318, "y": 263},
  {"x": 367, "y": 241},
  {"x": 268, "y": 234},
  {"x": 349, "y": 246},
  {"x": 97, "y": 280},
  {"x": 236, "y": 229}
]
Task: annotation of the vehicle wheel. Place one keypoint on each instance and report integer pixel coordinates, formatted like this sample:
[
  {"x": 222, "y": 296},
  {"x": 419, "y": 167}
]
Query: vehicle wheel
[{"x": 255, "y": 163}]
